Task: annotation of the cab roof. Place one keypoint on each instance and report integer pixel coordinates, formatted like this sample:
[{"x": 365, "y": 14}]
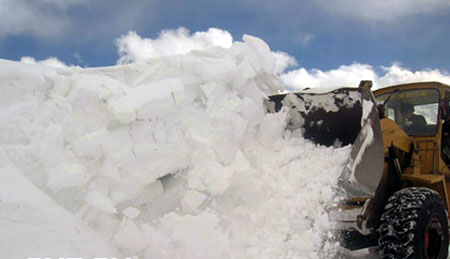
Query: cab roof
[{"x": 416, "y": 85}]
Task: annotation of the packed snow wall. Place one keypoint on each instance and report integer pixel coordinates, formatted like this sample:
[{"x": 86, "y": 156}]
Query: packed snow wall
[{"x": 172, "y": 158}]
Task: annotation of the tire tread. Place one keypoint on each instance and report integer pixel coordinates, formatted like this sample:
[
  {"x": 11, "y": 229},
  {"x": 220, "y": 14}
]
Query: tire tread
[{"x": 399, "y": 220}]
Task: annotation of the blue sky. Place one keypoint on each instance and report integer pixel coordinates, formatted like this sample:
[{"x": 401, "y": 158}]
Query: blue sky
[{"x": 322, "y": 35}]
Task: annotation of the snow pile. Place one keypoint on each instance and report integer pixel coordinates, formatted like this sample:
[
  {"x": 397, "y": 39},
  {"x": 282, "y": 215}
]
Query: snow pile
[{"x": 171, "y": 158}]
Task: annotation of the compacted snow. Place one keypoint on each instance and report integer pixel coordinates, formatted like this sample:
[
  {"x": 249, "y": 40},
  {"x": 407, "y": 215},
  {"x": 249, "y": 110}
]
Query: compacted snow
[{"x": 172, "y": 158}]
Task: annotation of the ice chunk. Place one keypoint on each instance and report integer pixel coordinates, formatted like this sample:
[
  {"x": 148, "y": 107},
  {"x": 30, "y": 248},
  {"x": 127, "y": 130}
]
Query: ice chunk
[
  {"x": 271, "y": 128},
  {"x": 212, "y": 70},
  {"x": 100, "y": 202},
  {"x": 129, "y": 237},
  {"x": 92, "y": 145},
  {"x": 28, "y": 214},
  {"x": 200, "y": 236},
  {"x": 147, "y": 99},
  {"x": 192, "y": 200},
  {"x": 226, "y": 151},
  {"x": 67, "y": 175},
  {"x": 211, "y": 175},
  {"x": 263, "y": 56},
  {"x": 131, "y": 212},
  {"x": 122, "y": 112}
]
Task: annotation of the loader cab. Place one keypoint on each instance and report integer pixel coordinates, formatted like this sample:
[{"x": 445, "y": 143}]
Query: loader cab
[
  {"x": 414, "y": 110},
  {"x": 429, "y": 103}
]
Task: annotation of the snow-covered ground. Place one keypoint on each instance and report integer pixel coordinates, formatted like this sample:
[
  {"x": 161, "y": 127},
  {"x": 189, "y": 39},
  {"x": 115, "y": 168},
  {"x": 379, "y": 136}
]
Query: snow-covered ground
[{"x": 175, "y": 157}]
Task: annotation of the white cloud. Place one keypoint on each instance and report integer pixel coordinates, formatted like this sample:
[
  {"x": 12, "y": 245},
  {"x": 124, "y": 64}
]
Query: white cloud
[
  {"x": 134, "y": 48},
  {"x": 384, "y": 10},
  {"x": 342, "y": 76},
  {"x": 397, "y": 74},
  {"x": 351, "y": 75},
  {"x": 51, "y": 62},
  {"x": 41, "y": 18}
]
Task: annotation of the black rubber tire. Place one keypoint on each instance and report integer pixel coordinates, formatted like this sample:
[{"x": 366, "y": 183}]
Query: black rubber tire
[{"x": 411, "y": 217}]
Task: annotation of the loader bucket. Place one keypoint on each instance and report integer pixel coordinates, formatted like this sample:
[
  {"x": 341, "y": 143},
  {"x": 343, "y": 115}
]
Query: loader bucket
[{"x": 345, "y": 116}]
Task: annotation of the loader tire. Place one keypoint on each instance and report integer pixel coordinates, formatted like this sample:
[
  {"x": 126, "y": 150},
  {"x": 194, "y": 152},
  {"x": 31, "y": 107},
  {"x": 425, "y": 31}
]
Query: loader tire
[{"x": 414, "y": 225}]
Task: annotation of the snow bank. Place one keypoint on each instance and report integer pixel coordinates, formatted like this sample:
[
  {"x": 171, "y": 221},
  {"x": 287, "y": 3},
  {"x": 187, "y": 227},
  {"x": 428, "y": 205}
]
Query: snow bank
[{"x": 171, "y": 158}]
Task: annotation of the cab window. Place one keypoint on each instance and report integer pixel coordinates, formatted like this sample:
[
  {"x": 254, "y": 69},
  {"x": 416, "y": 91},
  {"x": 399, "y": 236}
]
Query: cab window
[{"x": 415, "y": 111}]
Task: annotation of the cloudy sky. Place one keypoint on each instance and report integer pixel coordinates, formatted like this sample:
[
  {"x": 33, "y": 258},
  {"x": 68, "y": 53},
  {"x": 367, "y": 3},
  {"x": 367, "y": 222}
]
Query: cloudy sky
[{"x": 329, "y": 41}]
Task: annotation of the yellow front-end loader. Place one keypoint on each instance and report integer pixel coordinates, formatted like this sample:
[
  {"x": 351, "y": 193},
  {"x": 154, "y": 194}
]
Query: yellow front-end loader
[{"x": 396, "y": 179}]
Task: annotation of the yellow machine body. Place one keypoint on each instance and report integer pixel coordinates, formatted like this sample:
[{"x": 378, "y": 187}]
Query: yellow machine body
[{"x": 427, "y": 167}]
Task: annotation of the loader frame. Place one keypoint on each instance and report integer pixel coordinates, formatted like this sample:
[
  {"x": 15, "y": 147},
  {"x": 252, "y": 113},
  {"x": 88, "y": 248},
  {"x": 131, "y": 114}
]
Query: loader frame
[
  {"x": 386, "y": 160},
  {"x": 427, "y": 168}
]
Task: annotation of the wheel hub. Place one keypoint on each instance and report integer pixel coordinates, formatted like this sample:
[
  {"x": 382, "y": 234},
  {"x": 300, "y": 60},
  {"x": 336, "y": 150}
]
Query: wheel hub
[{"x": 434, "y": 238}]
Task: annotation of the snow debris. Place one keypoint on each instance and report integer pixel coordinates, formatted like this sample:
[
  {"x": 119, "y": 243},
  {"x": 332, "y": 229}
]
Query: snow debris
[
  {"x": 131, "y": 212},
  {"x": 174, "y": 157},
  {"x": 67, "y": 175},
  {"x": 328, "y": 102}
]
